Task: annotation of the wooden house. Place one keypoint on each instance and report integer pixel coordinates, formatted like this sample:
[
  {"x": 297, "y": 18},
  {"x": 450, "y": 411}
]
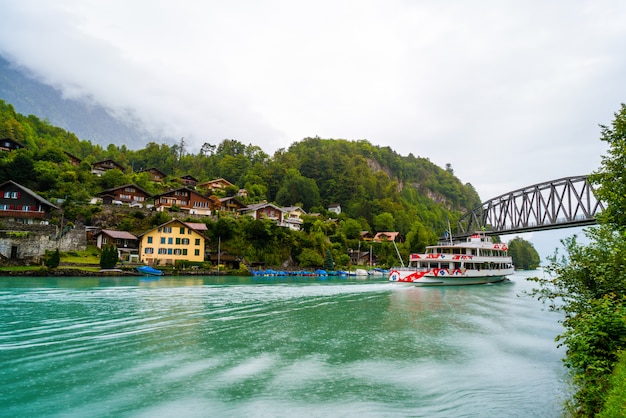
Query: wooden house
[
  {"x": 385, "y": 236},
  {"x": 366, "y": 236},
  {"x": 8, "y": 144},
  {"x": 101, "y": 167},
  {"x": 128, "y": 194},
  {"x": 265, "y": 211},
  {"x": 155, "y": 174},
  {"x": 217, "y": 184},
  {"x": 127, "y": 244},
  {"x": 187, "y": 200},
  {"x": 74, "y": 160},
  {"x": 20, "y": 204},
  {"x": 188, "y": 180},
  {"x": 231, "y": 205}
]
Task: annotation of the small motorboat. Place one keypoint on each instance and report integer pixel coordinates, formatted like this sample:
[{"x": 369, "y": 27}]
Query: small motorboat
[{"x": 150, "y": 271}]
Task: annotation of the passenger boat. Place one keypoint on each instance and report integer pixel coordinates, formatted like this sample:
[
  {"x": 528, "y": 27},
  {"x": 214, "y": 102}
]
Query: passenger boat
[
  {"x": 477, "y": 260},
  {"x": 150, "y": 271}
]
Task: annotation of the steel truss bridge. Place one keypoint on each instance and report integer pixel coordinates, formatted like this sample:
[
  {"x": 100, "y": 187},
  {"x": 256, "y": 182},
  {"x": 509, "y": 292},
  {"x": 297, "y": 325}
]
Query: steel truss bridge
[{"x": 556, "y": 204}]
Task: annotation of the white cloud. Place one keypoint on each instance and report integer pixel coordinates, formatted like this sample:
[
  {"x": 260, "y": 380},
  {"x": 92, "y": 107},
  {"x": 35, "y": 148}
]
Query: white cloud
[{"x": 509, "y": 94}]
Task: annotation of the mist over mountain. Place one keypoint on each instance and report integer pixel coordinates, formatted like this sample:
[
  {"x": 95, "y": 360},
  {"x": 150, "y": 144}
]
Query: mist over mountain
[{"x": 87, "y": 120}]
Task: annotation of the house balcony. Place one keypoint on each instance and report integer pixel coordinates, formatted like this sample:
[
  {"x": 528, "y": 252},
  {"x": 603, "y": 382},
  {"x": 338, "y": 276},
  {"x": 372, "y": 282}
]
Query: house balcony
[{"x": 22, "y": 214}]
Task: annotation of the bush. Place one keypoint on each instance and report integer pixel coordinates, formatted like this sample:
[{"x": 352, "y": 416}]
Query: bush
[{"x": 52, "y": 259}]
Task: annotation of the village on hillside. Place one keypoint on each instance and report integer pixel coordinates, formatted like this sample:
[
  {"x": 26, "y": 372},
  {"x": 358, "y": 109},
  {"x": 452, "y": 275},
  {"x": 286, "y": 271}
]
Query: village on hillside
[{"x": 27, "y": 233}]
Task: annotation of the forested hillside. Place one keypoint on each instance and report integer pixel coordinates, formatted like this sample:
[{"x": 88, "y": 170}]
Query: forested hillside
[{"x": 378, "y": 189}]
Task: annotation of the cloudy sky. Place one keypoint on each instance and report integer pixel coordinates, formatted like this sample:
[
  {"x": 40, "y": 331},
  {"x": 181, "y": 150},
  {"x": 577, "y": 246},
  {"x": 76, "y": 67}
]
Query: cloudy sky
[{"x": 510, "y": 93}]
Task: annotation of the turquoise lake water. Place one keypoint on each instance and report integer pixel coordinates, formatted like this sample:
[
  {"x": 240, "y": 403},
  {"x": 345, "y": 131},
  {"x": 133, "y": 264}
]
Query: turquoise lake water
[{"x": 275, "y": 347}]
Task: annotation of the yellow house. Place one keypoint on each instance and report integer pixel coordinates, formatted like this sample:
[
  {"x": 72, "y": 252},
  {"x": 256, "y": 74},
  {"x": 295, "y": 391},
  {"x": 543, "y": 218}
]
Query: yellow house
[{"x": 173, "y": 241}]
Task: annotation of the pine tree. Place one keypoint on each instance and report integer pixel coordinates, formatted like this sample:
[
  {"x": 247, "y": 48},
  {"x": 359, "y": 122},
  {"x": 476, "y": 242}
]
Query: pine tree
[
  {"x": 108, "y": 257},
  {"x": 329, "y": 263}
]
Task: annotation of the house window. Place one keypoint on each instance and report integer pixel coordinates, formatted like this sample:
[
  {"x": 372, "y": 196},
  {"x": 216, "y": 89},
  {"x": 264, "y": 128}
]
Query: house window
[
  {"x": 169, "y": 251},
  {"x": 196, "y": 252},
  {"x": 105, "y": 240},
  {"x": 197, "y": 241},
  {"x": 177, "y": 241},
  {"x": 148, "y": 250},
  {"x": 162, "y": 240},
  {"x": 170, "y": 241},
  {"x": 184, "y": 251},
  {"x": 130, "y": 189},
  {"x": 162, "y": 250},
  {"x": 185, "y": 241},
  {"x": 26, "y": 208},
  {"x": 11, "y": 195},
  {"x": 149, "y": 240},
  {"x": 177, "y": 251},
  {"x": 4, "y": 207},
  {"x": 182, "y": 230}
]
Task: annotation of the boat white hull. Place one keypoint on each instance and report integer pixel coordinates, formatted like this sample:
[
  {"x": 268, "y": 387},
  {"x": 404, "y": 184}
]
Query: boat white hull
[{"x": 444, "y": 278}]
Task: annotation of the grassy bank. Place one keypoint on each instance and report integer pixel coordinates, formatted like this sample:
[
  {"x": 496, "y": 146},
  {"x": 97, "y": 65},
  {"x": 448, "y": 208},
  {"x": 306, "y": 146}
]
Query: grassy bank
[{"x": 615, "y": 403}]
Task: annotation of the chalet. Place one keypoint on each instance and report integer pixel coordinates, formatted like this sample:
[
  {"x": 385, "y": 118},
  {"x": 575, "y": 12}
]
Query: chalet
[
  {"x": 74, "y": 160},
  {"x": 188, "y": 180},
  {"x": 129, "y": 194},
  {"x": 217, "y": 184},
  {"x": 173, "y": 241},
  {"x": 335, "y": 208},
  {"x": 231, "y": 205},
  {"x": 127, "y": 244},
  {"x": 361, "y": 258},
  {"x": 293, "y": 217},
  {"x": 8, "y": 144},
  {"x": 385, "y": 236},
  {"x": 366, "y": 236},
  {"x": 187, "y": 200},
  {"x": 101, "y": 167},
  {"x": 226, "y": 259},
  {"x": 120, "y": 239},
  {"x": 265, "y": 211},
  {"x": 242, "y": 193},
  {"x": 155, "y": 174},
  {"x": 20, "y": 204}
]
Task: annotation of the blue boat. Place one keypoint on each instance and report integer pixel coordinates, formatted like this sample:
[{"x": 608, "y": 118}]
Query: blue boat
[{"x": 149, "y": 271}]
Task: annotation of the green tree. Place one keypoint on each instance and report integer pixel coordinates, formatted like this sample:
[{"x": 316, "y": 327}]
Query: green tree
[
  {"x": 298, "y": 189},
  {"x": 329, "y": 263},
  {"x": 588, "y": 283},
  {"x": 384, "y": 222},
  {"x": 524, "y": 255},
  {"x": 108, "y": 257},
  {"x": 351, "y": 228},
  {"x": 52, "y": 259},
  {"x": 310, "y": 258},
  {"x": 610, "y": 177},
  {"x": 419, "y": 237}
]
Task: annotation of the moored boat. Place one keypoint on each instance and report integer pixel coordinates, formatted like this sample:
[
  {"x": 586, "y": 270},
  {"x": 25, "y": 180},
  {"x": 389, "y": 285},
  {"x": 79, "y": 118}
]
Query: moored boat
[
  {"x": 150, "y": 271},
  {"x": 475, "y": 261}
]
